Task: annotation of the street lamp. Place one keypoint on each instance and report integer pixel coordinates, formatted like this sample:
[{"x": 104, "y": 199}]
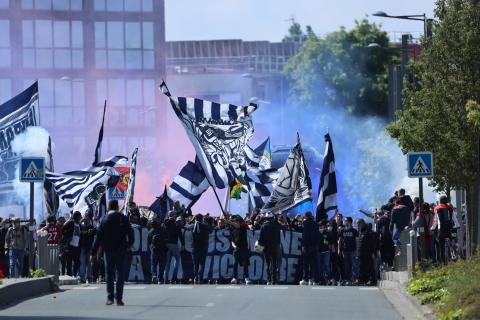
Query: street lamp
[{"x": 416, "y": 17}]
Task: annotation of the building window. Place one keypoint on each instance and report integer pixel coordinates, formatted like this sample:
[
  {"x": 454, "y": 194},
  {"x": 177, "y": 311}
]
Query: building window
[
  {"x": 5, "y": 52},
  {"x": 124, "y": 5},
  {"x": 52, "y": 44},
  {"x": 124, "y": 45},
  {"x": 5, "y": 90},
  {"x": 57, "y": 5},
  {"x": 4, "y": 4},
  {"x": 135, "y": 97},
  {"x": 62, "y": 102}
]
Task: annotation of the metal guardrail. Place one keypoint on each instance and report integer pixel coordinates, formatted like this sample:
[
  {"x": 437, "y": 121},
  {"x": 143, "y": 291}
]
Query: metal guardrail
[
  {"x": 47, "y": 255},
  {"x": 408, "y": 252}
]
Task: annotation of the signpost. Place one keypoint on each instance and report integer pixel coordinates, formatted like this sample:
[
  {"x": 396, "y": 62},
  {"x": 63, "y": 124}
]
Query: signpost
[
  {"x": 420, "y": 165},
  {"x": 32, "y": 170}
]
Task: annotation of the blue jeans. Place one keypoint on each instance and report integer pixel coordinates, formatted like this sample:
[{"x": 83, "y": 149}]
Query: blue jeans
[
  {"x": 396, "y": 236},
  {"x": 172, "y": 252},
  {"x": 324, "y": 265},
  {"x": 199, "y": 256},
  {"x": 16, "y": 262},
  {"x": 85, "y": 266},
  {"x": 115, "y": 265},
  {"x": 158, "y": 264},
  {"x": 310, "y": 260}
]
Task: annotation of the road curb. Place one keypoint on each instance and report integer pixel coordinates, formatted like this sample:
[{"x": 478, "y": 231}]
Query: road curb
[
  {"x": 394, "y": 290},
  {"x": 12, "y": 293},
  {"x": 67, "y": 280}
]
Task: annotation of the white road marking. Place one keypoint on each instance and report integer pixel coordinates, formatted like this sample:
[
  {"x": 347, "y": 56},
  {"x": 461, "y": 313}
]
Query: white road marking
[
  {"x": 84, "y": 288},
  {"x": 134, "y": 288},
  {"x": 197, "y": 316},
  {"x": 274, "y": 288},
  {"x": 228, "y": 287},
  {"x": 220, "y": 295},
  {"x": 368, "y": 288},
  {"x": 324, "y": 288},
  {"x": 210, "y": 304},
  {"x": 180, "y": 287}
]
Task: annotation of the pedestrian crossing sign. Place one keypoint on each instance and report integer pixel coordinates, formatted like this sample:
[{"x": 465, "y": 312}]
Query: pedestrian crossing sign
[
  {"x": 420, "y": 164},
  {"x": 32, "y": 169}
]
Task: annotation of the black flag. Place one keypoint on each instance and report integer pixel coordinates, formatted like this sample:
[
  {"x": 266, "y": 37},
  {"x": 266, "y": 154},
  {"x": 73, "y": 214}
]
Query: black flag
[
  {"x": 327, "y": 191},
  {"x": 98, "y": 150}
]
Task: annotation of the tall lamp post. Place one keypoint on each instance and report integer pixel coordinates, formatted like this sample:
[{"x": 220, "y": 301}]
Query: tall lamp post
[{"x": 416, "y": 17}]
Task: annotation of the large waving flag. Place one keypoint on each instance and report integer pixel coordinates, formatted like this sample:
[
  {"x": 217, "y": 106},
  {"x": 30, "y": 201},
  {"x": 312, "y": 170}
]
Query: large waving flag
[
  {"x": 189, "y": 184},
  {"x": 81, "y": 189},
  {"x": 16, "y": 115},
  {"x": 293, "y": 186},
  {"x": 219, "y": 134},
  {"x": 162, "y": 205},
  {"x": 327, "y": 191}
]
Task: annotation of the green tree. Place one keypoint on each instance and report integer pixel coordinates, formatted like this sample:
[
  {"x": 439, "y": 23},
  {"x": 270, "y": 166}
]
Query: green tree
[
  {"x": 340, "y": 71},
  {"x": 435, "y": 116},
  {"x": 295, "y": 33}
]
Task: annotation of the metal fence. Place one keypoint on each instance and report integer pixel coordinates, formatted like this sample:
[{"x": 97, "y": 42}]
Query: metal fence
[
  {"x": 408, "y": 252},
  {"x": 47, "y": 255}
]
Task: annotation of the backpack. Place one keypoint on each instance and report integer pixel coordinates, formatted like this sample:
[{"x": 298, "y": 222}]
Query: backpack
[{"x": 158, "y": 242}]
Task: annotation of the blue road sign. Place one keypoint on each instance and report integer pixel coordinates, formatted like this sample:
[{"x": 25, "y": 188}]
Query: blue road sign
[
  {"x": 115, "y": 193},
  {"x": 420, "y": 164},
  {"x": 32, "y": 169}
]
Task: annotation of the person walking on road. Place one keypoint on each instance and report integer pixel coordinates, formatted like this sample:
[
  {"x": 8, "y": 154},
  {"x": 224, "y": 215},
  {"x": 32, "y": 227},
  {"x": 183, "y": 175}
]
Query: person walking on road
[
  {"x": 16, "y": 240},
  {"x": 200, "y": 235},
  {"x": 270, "y": 239},
  {"x": 115, "y": 236}
]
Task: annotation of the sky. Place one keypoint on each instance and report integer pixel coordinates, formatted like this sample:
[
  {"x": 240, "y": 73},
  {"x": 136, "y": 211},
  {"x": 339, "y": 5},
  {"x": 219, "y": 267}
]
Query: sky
[{"x": 270, "y": 19}]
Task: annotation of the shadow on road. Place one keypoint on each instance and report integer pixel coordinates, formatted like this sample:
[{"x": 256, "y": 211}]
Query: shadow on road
[{"x": 51, "y": 318}]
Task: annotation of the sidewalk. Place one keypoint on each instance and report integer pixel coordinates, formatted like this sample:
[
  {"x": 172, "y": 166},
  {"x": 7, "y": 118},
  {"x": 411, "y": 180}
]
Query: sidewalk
[
  {"x": 15, "y": 290},
  {"x": 393, "y": 286}
]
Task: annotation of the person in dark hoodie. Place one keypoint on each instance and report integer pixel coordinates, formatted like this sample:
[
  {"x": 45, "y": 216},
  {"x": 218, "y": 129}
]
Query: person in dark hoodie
[
  {"x": 443, "y": 223},
  {"x": 240, "y": 247},
  {"x": 270, "y": 239},
  {"x": 115, "y": 236},
  {"x": 200, "y": 234},
  {"x": 70, "y": 243},
  {"x": 399, "y": 220},
  {"x": 309, "y": 250},
  {"x": 405, "y": 199},
  {"x": 366, "y": 250},
  {"x": 173, "y": 228},
  {"x": 157, "y": 240},
  {"x": 86, "y": 241}
]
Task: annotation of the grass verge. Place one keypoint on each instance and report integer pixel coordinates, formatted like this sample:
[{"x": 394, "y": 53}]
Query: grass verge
[{"x": 453, "y": 291}]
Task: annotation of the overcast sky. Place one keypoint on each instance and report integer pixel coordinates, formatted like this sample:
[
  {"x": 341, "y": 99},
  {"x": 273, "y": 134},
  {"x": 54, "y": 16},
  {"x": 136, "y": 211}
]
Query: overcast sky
[{"x": 269, "y": 19}]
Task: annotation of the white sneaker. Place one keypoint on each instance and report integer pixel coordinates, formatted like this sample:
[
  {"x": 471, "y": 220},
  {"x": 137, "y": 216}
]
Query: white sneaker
[
  {"x": 303, "y": 283},
  {"x": 310, "y": 282},
  {"x": 247, "y": 281},
  {"x": 234, "y": 281},
  {"x": 269, "y": 283}
]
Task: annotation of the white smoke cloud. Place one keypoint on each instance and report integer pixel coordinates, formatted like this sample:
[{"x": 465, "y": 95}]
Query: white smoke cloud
[{"x": 31, "y": 143}]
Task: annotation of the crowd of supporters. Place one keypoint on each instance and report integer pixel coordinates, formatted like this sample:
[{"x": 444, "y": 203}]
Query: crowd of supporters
[{"x": 335, "y": 251}]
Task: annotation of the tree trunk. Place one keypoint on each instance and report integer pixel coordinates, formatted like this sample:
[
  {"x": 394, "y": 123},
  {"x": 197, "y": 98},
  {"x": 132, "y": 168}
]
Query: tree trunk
[{"x": 472, "y": 217}]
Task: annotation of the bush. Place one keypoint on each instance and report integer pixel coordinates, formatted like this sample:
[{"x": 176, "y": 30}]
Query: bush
[
  {"x": 454, "y": 290},
  {"x": 39, "y": 273}
]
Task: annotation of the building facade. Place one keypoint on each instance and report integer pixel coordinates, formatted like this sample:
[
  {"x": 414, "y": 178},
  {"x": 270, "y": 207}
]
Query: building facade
[{"x": 84, "y": 52}]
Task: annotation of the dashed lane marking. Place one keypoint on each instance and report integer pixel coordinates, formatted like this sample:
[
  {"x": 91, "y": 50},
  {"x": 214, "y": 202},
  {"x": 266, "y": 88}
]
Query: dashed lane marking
[
  {"x": 228, "y": 287},
  {"x": 134, "y": 288},
  {"x": 274, "y": 288},
  {"x": 323, "y": 288},
  {"x": 84, "y": 288},
  {"x": 210, "y": 304},
  {"x": 180, "y": 287},
  {"x": 368, "y": 288}
]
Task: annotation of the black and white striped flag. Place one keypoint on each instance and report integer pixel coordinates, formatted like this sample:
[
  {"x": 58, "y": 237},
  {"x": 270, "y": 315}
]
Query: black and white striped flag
[
  {"x": 218, "y": 132},
  {"x": 81, "y": 189},
  {"x": 98, "y": 149},
  {"x": 189, "y": 184},
  {"x": 327, "y": 191},
  {"x": 131, "y": 181},
  {"x": 293, "y": 185}
]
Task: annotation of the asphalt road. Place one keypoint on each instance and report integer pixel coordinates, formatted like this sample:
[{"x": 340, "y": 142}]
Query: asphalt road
[{"x": 208, "y": 302}]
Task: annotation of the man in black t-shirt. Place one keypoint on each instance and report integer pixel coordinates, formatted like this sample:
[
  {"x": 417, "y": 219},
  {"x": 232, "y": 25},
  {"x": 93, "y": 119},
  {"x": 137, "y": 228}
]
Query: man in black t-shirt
[
  {"x": 240, "y": 247},
  {"x": 347, "y": 243},
  {"x": 324, "y": 244}
]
